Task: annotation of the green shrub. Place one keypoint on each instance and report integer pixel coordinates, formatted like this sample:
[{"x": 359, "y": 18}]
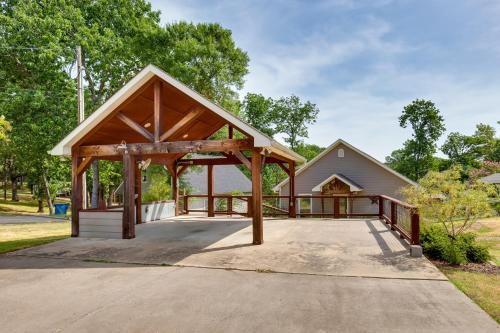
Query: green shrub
[
  {"x": 436, "y": 244},
  {"x": 474, "y": 252}
]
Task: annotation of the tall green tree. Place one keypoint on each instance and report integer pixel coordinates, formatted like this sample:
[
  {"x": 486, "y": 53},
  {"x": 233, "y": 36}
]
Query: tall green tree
[
  {"x": 292, "y": 117},
  {"x": 416, "y": 157},
  {"x": 118, "y": 38},
  {"x": 257, "y": 110}
]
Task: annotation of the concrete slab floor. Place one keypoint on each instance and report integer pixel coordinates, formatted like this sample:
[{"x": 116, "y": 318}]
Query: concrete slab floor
[
  {"x": 63, "y": 295},
  {"x": 364, "y": 248}
]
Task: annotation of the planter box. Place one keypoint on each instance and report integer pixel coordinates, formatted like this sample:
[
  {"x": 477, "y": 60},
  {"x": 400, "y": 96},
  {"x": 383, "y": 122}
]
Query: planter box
[
  {"x": 101, "y": 223},
  {"x": 153, "y": 211}
]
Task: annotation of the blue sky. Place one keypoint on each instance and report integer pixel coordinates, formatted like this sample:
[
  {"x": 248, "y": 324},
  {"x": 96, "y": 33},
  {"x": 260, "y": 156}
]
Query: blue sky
[{"x": 361, "y": 61}]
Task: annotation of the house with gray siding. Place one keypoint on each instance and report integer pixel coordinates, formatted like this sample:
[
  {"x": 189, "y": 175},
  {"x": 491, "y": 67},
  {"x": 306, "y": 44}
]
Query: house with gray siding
[{"x": 342, "y": 169}]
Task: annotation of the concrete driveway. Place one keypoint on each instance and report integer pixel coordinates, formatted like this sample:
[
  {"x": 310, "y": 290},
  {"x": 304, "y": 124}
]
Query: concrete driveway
[{"x": 309, "y": 276}]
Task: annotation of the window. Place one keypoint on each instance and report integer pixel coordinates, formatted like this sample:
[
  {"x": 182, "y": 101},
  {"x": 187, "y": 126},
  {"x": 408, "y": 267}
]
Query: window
[{"x": 340, "y": 152}]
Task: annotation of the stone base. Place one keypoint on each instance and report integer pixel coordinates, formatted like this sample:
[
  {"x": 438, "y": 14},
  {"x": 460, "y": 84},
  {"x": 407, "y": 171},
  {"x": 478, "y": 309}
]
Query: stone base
[{"x": 416, "y": 251}]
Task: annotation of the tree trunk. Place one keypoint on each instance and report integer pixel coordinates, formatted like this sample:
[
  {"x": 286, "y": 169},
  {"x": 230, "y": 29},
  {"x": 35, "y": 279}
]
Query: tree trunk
[
  {"x": 5, "y": 182},
  {"x": 15, "y": 197},
  {"x": 47, "y": 194},
  {"x": 40, "y": 205},
  {"x": 94, "y": 201}
]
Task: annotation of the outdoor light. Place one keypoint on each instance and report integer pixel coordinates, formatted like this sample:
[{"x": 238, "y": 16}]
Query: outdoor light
[{"x": 185, "y": 136}]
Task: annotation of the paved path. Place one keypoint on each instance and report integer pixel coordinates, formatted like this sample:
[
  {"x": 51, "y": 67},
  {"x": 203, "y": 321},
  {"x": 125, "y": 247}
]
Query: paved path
[
  {"x": 309, "y": 276},
  {"x": 364, "y": 248},
  {"x": 61, "y": 295},
  {"x": 9, "y": 219}
]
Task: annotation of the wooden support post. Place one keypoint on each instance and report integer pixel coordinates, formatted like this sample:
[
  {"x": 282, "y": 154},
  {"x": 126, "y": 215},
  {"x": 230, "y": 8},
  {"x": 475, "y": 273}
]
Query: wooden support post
[
  {"x": 76, "y": 195},
  {"x": 291, "y": 208},
  {"x": 415, "y": 228},
  {"x": 175, "y": 189},
  {"x": 257, "y": 218},
  {"x": 336, "y": 207},
  {"x": 230, "y": 132},
  {"x": 210, "y": 190},
  {"x": 394, "y": 215},
  {"x": 128, "y": 225},
  {"x": 380, "y": 207},
  {"x": 138, "y": 191}
]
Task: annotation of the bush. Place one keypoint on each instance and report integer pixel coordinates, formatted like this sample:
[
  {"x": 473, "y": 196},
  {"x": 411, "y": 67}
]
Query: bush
[{"x": 436, "y": 244}]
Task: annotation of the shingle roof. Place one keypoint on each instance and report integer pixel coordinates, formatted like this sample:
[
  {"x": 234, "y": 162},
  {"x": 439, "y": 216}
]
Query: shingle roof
[
  {"x": 227, "y": 178},
  {"x": 494, "y": 178}
]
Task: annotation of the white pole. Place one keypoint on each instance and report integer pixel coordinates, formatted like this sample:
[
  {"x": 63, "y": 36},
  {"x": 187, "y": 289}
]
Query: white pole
[{"x": 81, "y": 111}]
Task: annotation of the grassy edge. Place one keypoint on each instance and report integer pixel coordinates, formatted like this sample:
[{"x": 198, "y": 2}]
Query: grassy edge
[
  {"x": 485, "y": 300},
  {"x": 14, "y": 245}
]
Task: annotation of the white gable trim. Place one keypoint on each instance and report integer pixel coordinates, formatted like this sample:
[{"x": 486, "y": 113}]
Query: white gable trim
[
  {"x": 352, "y": 187},
  {"x": 329, "y": 149},
  {"x": 63, "y": 148}
]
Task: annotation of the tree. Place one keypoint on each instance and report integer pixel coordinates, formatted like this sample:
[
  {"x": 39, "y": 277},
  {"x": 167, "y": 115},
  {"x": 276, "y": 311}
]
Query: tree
[
  {"x": 443, "y": 198},
  {"x": 257, "y": 110},
  {"x": 309, "y": 151},
  {"x": 292, "y": 118},
  {"x": 459, "y": 149},
  {"x": 470, "y": 150},
  {"x": 485, "y": 169},
  {"x": 427, "y": 125},
  {"x": 118, "y": 38}
]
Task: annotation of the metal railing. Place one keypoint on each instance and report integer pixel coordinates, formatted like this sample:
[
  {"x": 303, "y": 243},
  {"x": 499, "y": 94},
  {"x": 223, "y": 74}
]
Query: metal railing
[{"x": 401, "y": 217}]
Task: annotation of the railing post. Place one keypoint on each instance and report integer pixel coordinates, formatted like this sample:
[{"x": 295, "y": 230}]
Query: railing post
[
  {"x": 230, "y": 205},
  {"x": 380, "y": 207},
  {"x": 415, "y": 228},
  {"x": 186, "y": 204},
  {"x": 336, "y": 207},
  {"x": 394, "y": 215}
]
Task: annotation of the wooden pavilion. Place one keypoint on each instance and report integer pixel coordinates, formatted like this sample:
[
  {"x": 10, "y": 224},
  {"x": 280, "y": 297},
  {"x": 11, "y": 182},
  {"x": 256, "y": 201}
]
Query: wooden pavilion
[{"x": 156, "y": 117}]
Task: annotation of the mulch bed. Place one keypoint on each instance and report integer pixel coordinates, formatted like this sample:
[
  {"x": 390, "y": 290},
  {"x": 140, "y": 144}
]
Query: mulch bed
[{"x": 486, "y": 268}]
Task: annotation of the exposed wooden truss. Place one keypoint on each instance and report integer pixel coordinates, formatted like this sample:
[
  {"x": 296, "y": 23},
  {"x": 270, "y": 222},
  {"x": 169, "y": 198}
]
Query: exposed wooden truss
[{"x": 161, "y": 148}]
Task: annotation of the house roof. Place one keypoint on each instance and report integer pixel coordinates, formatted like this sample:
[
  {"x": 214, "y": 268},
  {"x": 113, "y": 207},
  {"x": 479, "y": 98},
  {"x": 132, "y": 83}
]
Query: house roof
[
  {"x": 353, "y": 187},
  {"x": 329, "y": 149},
  {"x": 63, "y": 148},
  {"x": 227, "y": 179},
  {"x": 493, "y": 178}
]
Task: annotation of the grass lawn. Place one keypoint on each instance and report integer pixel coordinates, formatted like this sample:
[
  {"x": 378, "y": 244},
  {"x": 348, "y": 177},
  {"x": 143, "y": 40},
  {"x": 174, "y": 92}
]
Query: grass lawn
[
  {"x": 26, "y": 204},
  {"x": 19, "y": 236},
  {"x": 488, "y": 233},
  {"x": 482, "y": 288}
]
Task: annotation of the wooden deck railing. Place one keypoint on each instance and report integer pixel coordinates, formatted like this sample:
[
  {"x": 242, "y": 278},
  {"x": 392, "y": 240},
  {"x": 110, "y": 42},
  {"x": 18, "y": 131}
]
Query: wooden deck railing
[{"x": 401, "y": 217}]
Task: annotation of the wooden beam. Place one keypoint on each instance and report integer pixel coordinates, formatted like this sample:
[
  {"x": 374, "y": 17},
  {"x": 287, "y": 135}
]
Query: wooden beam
[
  {"x": 242, "y": 158},
  {"x": 157, "y": 110},
  {"x": 210, "y": 190},
  {"x": 135, "y": 126},
  {"x": 182, "y": 169},
  {"x": 283, "y": 167},
  {"x": 128, "y": 226},
  {"x": 181, "y": 124},
  {"x": 84, "y": 165},
  {"x": 257, "y": 217},
  {"x": 220, "y": 161},
  {"x": 161, "y": 148},
  {"x": 230, "y": 131},
  {"x": 76, "y": 195}
]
